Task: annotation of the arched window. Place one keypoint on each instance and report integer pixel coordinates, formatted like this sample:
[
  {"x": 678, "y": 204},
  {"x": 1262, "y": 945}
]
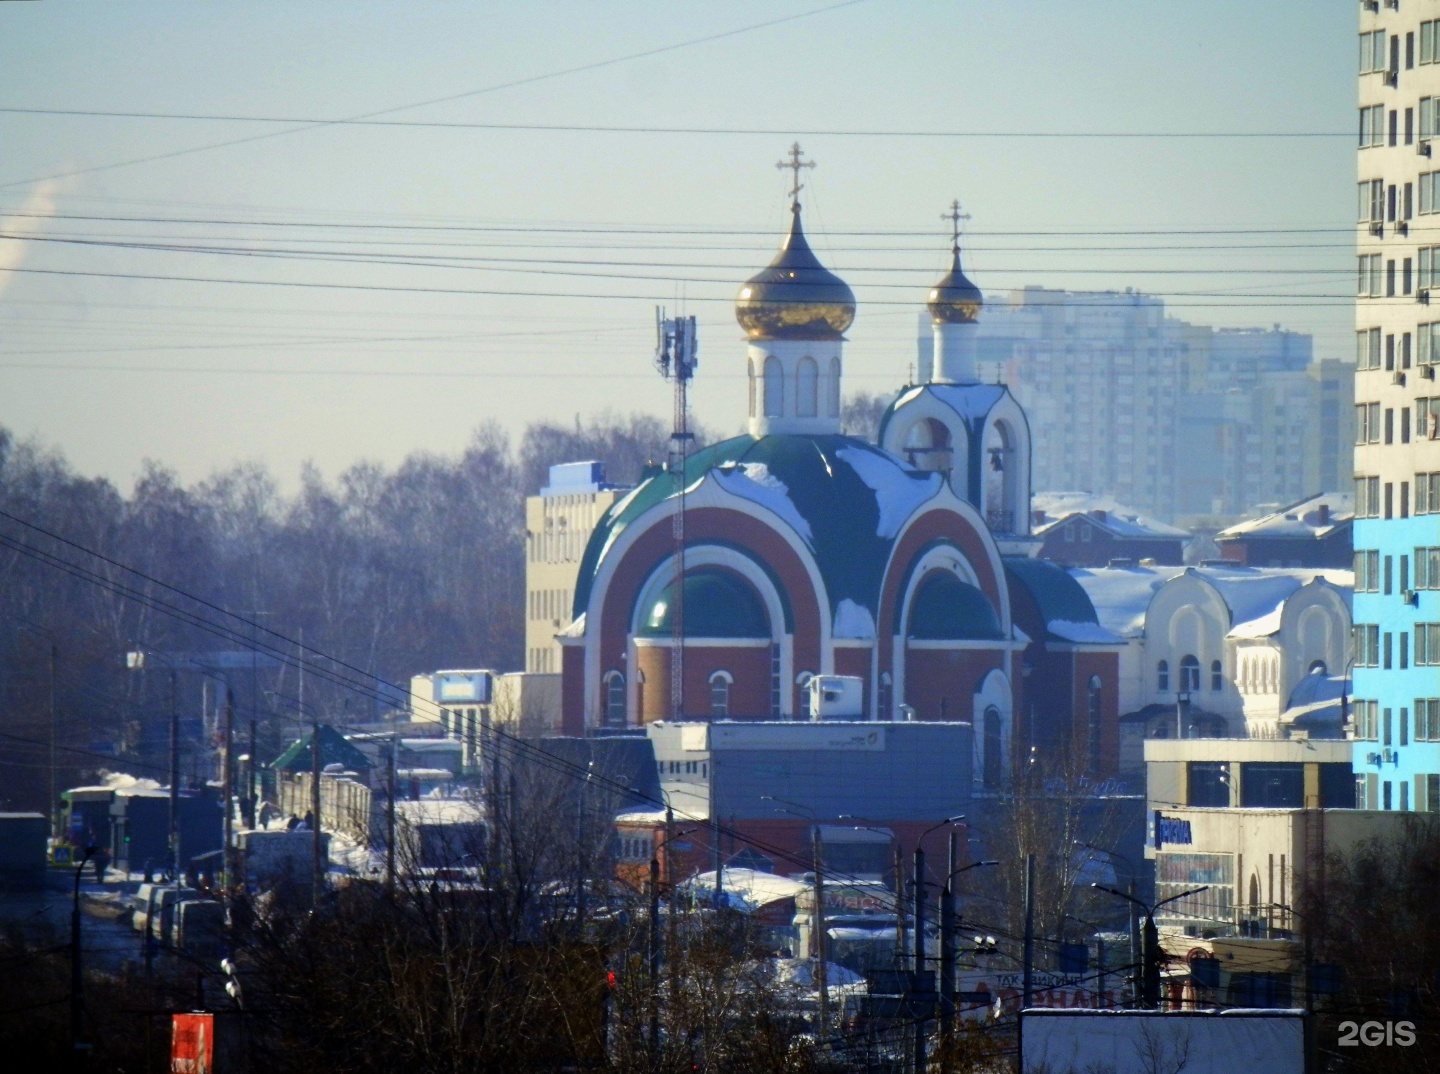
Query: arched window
[
  {"x": 1092, "y": 741},
  {"x": 751, "y": 365},
  {"x": 807, "y": 388},
  {"x": 720, "y": 694},
  {"x": 992, "y": 767},
  {"x": 832, "y": 390},
  {"x": 774, "y": 388},
  {"x": 1162, "y": 676},
  {"x": 615, "y": 699},
  {"x": 1217, "y": 676},
  {"x": 1189, "y": 675}
]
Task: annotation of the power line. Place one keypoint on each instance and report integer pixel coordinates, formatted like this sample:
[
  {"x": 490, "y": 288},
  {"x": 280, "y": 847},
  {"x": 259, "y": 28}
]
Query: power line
[
  {"x": 494, "y": 88},
  {"x": 579, "y": 128}
]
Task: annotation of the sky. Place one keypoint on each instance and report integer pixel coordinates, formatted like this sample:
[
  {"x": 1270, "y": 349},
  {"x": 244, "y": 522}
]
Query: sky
[{"x": 330, "y": 293}]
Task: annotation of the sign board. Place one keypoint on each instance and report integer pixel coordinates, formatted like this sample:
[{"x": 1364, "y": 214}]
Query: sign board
[
  {"x": 1141, "y": 1042},
  {"x": 472, "y": 686},
  {"x": 192, "y": 1043},
  {"x": 797, "y": 736},
  {"x": 1169, "y": 831}
]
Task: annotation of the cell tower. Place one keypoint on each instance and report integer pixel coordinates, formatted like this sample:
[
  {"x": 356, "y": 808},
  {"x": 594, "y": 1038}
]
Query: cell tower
[{"x": 676, "y": 348}]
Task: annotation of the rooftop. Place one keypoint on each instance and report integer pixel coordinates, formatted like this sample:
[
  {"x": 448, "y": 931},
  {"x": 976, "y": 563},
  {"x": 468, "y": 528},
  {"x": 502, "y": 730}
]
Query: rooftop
[
  {"x": 1309, "y": 519},
  {"x": 1118, "y": 519}
]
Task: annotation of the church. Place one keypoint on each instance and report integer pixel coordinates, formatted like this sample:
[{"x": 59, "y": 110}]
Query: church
[{"x": 907, "y": 564}]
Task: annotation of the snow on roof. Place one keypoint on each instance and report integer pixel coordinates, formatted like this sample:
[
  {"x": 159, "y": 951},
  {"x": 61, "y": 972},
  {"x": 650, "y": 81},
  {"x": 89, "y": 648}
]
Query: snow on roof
[
  {"x": 575, "y": 629},
  {"x": 853, "y": 621},
  {"x": 1255, "y": 595},
  {"x": 748, "y": 889},
  {"x": 1304, "y": 520},
  {"x": 1121, "y": 595},
  {"x": 753, "y": 481},
  {"x": 897, "y": 493},
  {"x": 439, "y": 811},
  {"x": 1081, "y": 632},
  {"x": 971, "y": 401},
  {"x": 1114, "y": 516}
]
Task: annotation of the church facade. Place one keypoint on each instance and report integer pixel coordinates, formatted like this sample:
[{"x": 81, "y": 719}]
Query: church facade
[{"x": 907, "y": 564}]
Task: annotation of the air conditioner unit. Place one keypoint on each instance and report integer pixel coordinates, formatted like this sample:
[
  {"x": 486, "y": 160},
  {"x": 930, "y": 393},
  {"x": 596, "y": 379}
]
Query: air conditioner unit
[
  {"x": 1372, "y": 758},
  {"x": 1393, "y": 5},
  {"x": 1428, "y": 372},
  {"x": 1389, "y": 756},
  {"x": 1409, "y": 596},
  {"x": 1397, "y": 377},
  {"x": 1391, "y": 78},
  {"x": 1402, "y": 227},
  {"x": 1422, "y": 147},
  {"x": 1377, "y": 228},
  {"x": 1370, "y": 5},
  {"x": 1422, "y": 296}
]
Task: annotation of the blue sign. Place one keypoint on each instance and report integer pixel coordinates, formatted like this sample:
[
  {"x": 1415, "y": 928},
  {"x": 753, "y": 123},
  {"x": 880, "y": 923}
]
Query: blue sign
[{"x": 1171, "y": 830}]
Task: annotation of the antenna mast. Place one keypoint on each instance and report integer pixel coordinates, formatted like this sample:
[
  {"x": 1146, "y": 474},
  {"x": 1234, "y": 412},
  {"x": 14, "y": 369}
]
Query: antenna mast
[{"x": 676, "y": 348}]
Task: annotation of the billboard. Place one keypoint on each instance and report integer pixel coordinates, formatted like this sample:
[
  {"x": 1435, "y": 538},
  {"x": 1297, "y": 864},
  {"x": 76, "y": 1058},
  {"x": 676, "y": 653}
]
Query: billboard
[
  {"x": 1142, "y": 1042},
  {"x": 192, "y": 1043}
]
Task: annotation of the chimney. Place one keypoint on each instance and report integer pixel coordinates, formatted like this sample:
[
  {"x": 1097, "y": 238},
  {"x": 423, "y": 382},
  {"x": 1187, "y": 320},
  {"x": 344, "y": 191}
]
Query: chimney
[
  {"x": 1099, "y": 513},
  {"x": 1037, "y": 517},
  {"x": 1324, "y": 514}
]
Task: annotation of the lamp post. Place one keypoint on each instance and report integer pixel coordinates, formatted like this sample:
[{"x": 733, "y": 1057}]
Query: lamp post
[
  {"x": 654, "y": 936},
  {"x": 949, "y": 926},
  {"x": 1134, "y": 919},
  {"x": 76, "y": 977},
  {"x": 817, "y": 917},
  {"x": 919, "y": 1044},
  {"x": 1150, "y": 956}
]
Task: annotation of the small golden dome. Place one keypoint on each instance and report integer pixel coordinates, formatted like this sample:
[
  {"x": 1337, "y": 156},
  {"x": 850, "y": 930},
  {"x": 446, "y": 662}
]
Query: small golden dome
[
  {"x": 955, "y": 300},
  {"x": 795, "y": 297}
]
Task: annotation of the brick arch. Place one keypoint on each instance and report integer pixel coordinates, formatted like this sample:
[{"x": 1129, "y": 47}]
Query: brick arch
[{"x": 705, "y": 525}]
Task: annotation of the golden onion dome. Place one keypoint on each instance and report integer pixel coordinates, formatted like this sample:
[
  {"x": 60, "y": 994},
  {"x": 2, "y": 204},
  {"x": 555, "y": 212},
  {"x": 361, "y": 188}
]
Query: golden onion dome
[
  {"x": 955, "y": 300},
  {"x": 795, "y": 297}
]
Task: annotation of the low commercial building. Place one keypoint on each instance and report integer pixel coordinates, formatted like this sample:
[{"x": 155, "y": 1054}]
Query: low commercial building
[
  {"x": 1315, "y": 532},
  {"x": 1081, "y": 529}
]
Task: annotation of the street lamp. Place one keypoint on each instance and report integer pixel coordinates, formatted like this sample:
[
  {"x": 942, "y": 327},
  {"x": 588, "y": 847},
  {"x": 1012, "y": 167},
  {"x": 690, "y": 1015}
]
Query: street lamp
[
  {"x": 1150, "y": 956},
  {"x": 75, "y": 973},
  {"x": 655, "y": 927},
  {"x": 919, "y": 881},
  {"x": 949, "y": 926}
]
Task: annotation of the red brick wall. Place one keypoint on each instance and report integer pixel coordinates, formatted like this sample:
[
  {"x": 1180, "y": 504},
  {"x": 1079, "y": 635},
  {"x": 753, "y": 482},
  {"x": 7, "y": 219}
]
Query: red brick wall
[
  {"x": 572, "y": 689},
  {"x": 855, "y": 662},
  {"x": 1104, "y": 546},
  {"x": 1107, "y": 666},
  {"x": 951, "y": 676},
  {"x": 749, "y": 665}
]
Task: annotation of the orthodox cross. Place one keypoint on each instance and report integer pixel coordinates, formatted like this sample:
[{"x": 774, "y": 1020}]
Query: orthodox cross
[
  {"x": 955, "y": 216},
  {"x": 795, "y": 164}
]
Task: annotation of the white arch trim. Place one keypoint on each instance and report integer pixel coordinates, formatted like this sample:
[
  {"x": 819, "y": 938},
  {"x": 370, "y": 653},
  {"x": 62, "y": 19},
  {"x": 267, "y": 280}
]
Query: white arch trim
[{"x": 994, "y": 690}]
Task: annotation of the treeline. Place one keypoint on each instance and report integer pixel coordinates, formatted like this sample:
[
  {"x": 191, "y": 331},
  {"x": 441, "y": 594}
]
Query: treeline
[{"x": 392, "y": 571}]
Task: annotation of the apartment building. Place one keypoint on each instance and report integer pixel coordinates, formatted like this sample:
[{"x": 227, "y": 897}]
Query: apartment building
[
  {"x": 558, "y": 524},
  {"x": 1396, "y": 711}
]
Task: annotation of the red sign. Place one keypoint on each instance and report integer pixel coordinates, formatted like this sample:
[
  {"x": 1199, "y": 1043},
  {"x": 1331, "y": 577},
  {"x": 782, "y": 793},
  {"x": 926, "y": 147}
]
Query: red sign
[{"x": 192, "y": 1043}]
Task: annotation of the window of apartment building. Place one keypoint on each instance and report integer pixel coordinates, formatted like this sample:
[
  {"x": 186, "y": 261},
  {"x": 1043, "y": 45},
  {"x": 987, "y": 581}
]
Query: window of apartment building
[
  {"x": 1427, "y": 644},
  {"x": 1367, "y": 347},
  {"x": 1427, "y": 568},
  {"x": 1405, "y": 425},
  {"x": 1429, "y": 188},
  {"x": 1427, "y": 793},
  {"x": 1369, "y": 279},
  {"x": 1428, "y": 349},
  {"x": 1367, "y": 423},
  {"x": 1404, "y": 499},
  {"x": 1427, "y": 418},
  {"x": 1429, "y": 113},
  {"x": 1371, "y": 199},
  {"x": 1367, "y": 497},
  {"x": 1386, "y": 574},
  {"x": 1372, "y": 123},
  {"x": 1390, "y": 203},
  {"x": 1427, "y": 497},
  {"x": 1367, "y": 571},
  {"x": 1429, "y": 266},
  {"x": 1372, "y": 52},
  {"x": 1408, "y": 208},
  {"x": 1389, "y": 425},
  {"x": 1393, "y": 128},
  {"x": 1388, "y": 509},
  {"x": 1367, "y": 645},
  {"x": 1407, "y": 284},
  {"x": 1367, "y": 720},
  {"x": 1390, "y": 280},
  {"x": 1427, "y": 719},
  {"x": 1410, "y": 50}
]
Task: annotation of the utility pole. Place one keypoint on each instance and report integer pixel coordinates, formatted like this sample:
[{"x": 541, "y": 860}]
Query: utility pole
[
  {"x": 1135, "y": 974},
  {"x": 822, "y": 983},
  {"x": 919, "y": 888},
  {"x": 1151, "y": 957},
  {"x": 947, "y": 955},
  {"x": 316, "y": 844},
  {"x": 390, "y": 820},
  {"x": 1028, "y": 988},
  {"x": 252, "y": 792},
  {"x": 715, "y": 848},
  {"x": 50, "y": 808},
  {"x": 174, "y": 780},
  {"x": 227, "y": 792},
  {"x": 900, "y": 908},
  {"x": 76, "y": 975},
  {"x": 654, "y": 961}
]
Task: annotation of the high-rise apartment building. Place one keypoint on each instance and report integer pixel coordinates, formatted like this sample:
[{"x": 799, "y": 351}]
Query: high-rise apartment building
[
  {"x": 1396, "y": 710},
  {"x": 1185, "y": 422},
  {"x": 558, "y": 524}
]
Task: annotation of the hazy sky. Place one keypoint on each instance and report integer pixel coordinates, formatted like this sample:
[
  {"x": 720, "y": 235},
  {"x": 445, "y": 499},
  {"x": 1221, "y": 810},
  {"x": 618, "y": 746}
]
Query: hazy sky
[{"x": 559, "y": 243}]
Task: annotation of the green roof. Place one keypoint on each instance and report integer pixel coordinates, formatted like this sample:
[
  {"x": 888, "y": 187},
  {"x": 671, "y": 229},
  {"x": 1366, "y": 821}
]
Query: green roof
[
  {"x": 850, "y": 526},
  {"x": 333, "y": 750},
  {"x": 947, "y": 609},
  {"x": 1060, "y": 597},
  {"x": 717, "y": 605}
]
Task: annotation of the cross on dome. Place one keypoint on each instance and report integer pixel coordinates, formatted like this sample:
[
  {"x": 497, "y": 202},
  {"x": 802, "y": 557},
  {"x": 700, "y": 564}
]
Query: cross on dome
[
  {"x": 955, "y": 216},
  {"x": 795, "y": 164}
]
